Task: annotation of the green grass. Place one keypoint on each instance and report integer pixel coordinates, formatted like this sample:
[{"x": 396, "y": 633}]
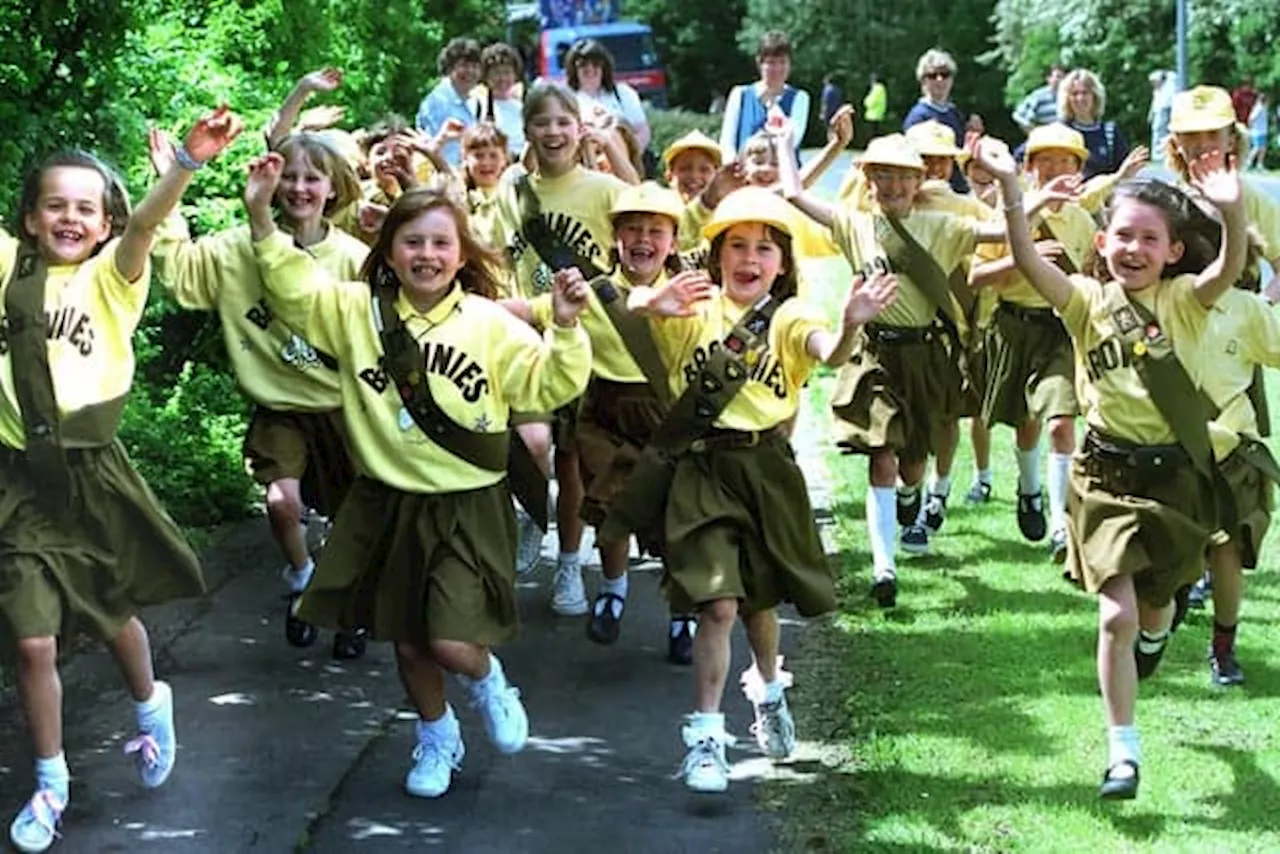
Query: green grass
[{"x": 968, "y": 718}]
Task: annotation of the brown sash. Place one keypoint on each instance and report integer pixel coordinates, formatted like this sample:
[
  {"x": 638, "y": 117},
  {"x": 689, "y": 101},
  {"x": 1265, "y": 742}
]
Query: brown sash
[
  {"x": 922, "y": 268},
  {"x": 405, "y": 363},
  {"x": 635, "y": 333},
  {"x": 1063, "y": 262}
]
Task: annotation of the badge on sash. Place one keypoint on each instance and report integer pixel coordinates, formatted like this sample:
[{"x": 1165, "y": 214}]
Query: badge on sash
[{"x": 1126, "y": 319}]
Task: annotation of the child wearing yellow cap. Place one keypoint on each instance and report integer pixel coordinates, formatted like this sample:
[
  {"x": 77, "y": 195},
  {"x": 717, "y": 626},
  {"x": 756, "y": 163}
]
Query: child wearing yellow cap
[
  {"x": 1031, "y": 381},
  {"x": 739, "y": 529},
  {"x": 693, "y": 169},
  {"x": 904, "y": 387}
]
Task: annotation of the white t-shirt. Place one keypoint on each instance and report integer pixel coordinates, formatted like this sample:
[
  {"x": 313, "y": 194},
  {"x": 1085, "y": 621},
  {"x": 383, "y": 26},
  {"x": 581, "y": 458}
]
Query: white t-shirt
[{"x": 624, "y": 104}]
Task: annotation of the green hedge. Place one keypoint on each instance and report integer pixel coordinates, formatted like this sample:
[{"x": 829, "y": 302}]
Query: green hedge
[{"x": 669, "y": 125}]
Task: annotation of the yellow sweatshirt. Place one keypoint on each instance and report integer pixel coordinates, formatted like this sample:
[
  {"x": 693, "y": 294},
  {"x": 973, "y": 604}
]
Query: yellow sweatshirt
[{"x": 481, "y": 362}]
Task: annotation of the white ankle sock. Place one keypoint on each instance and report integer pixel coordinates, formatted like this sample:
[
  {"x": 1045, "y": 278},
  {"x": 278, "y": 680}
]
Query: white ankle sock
[
  {"x": 616, "y": 586},
  {"x": 984, "y": 476},
  {"x": 1059, "y": 466},
  {"x": 52, "y": 773},
  {"x": 1149, "y": 643},
  {"x": 940, "y": 486},
  {"x": 882, "y": 528},
  {"x": 707, "y": 723},
  {"x": 773, "y": 691},
  {"x": 1029, "y": 471},
  {"x": 299, "y": 578},
  {"x": 445, "y": 725},
  {"x": 1122, "y": 745},
  {"x": 150, "y": 707},
  {"x": 568, "y": 559}
]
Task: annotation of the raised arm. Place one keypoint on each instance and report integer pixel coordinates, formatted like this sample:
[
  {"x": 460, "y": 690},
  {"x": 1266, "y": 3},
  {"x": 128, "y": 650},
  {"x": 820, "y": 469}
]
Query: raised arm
[
  {"x": 867, "y": 298},
  {"x": 282, "y": 123},
  {"x": 206, "y": 140},
  {"x": 1218, "y": 181},
  {"x": 1049, "y": 281},
  {"x": 813, "y": 207},
  {"x": 839, "y": 135}
]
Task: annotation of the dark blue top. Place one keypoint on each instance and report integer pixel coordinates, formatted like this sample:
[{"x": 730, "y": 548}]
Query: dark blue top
[
  {"x": 950, "y": 116},
  {"x": 1107, "y": 147},
  {"x": 832, "y": 98}
]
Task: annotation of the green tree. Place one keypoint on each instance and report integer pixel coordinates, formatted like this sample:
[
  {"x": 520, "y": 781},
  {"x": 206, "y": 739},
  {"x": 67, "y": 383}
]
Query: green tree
[{"x": 701, "y": 60}]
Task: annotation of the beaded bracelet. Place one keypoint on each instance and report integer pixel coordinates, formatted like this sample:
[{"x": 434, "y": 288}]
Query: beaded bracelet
[{"x": 184, "y": 159}]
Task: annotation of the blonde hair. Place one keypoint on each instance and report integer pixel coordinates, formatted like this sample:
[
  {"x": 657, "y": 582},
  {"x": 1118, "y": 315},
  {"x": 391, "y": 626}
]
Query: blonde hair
[
  {"x": 328, "y": 161},
  {"x": 1088, "y": 78},
  {"x": 758, "y": 143},
  {"x": 1177, "y": 163},
  {"x": 932, "y": 60}
]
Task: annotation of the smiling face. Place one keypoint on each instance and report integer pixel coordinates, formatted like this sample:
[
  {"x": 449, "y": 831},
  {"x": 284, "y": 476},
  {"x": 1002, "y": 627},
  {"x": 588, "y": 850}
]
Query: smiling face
[
  {"x": 937, "y": 83},
  {"x": 1195, "y": 145},
  {"x": 1050, "y": 163},
  {"x": 464, "y": 76},
  {"x": 893, "y": 188},
  {"x": 500, "y": 80},
  {"x": 304, "y": 190},
  {"x": 691, "y": 172},
  {"x": 426, "y": 255},
  {"x": 760, "y": 166},
  {"x": 938, "y": 167},
  {"x": 645, "y": 242},
  {"x": 484, "y": 163},
  {"x": 69, "y": 221},
  {"x": 590, "y": 74},
  {"x": 750, "y": 260},
  {"x": 553, "y": 132},
  {"x": 1137, "y": 244},
  {"x": 1082, "y": 101}
]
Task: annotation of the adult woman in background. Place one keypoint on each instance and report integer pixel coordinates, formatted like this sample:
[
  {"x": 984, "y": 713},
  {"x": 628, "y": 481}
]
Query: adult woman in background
[
  {"x": 748, "y": 105},
  {"x": 590, "y": 74},
  {"x": 1081, "y": 101},
  {"x": 936, "y": 72}
]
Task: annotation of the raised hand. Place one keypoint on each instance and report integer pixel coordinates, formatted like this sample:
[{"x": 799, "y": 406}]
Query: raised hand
[
  {"x": 1050, "y": 249},
  {"x": 840, "y": 128},
  {"x": 868, "y": 297},
  {"x": 1133, "y": 163},
  {"x": 728, "y": 178},
  {"x": 160, "y": 150},
  {"x": 212, "y": 133},
  {"x": 370, "y": 217},
  {"x": 264, "y": 178},
  {"x": 322, "y": 117},
  {"x": 993, "y": 155},
  {"x": 680, "y": 294},
  {"x": 1214, "y": 175},
  {"x": 568, "y": 296},
  {"x": 324, "y": 80}
]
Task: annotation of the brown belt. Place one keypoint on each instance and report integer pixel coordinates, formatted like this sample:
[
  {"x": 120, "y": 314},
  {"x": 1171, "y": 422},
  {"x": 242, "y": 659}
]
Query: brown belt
[{"x": 724, "y": 440}]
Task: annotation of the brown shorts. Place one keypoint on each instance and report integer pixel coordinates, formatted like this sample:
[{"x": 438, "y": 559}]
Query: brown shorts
[
  {"x": 614, "y": 425},
  {"x": 739, "y": 526},
  {"x": 306, "y": 446},
  {"x": 1030, "y": 367},
  {"x": 1253, "y": 494},
  {"x": 563, "y": 423},
  {"x": 415, "y": 567},
  {"x": 1137, "y": 519},
  {"x": 90, "y": 569},
  {"x": 900, "y": 385}
]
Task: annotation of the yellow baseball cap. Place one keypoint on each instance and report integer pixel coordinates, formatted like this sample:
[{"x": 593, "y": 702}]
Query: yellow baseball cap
[
  {"x": 933, "y": 139},
  {"x": 1056, "y": 137},
  {"x": 694, "y": 140},
  {"x": 648, "y": 197},
  {"x": 1204, "y": 108},
  {"x": 750, "y": 204},
  {"x": 892, "y": 150}
]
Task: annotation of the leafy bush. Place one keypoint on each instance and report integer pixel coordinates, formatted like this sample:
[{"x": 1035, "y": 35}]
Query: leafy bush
[{"x": 669, "y": 125}]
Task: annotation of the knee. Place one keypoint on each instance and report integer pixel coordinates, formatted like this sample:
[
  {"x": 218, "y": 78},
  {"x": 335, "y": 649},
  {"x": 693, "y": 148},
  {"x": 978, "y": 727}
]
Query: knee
[
  {"x": 1062, "y": 435},
  {"x": 883, "y": 469},
  {"x": 283, "y": 506},
  {"x": 721, "y": 612},
  {"x": 538, "y": 441},
  {"x": 410, "y": 654},
  {"x": 452, "y": 655},
  {"x": 1118, "y": 621},
  {"x": 37, "y": 653}
]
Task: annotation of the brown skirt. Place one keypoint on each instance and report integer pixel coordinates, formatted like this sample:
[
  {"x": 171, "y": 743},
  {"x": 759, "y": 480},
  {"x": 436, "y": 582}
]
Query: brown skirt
[
  {"x": 1150, "y": 525},
  {"x": 739, "y": 526},
  {"x": 1253, "y": 494},
  {"x": 614, "y": 425},
  {"x": 1030, "y": 368},
  {"x": 309, "y": 447},
  {"x": 900, "y": 385},
  {"x": 418, "y": 567},
  {"x": 91, "y": 568}
]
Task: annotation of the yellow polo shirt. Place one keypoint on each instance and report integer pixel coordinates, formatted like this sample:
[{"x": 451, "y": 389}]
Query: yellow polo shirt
[
  {"x": 1071, "y": 225},
  {"x": 481, "y": 362}
]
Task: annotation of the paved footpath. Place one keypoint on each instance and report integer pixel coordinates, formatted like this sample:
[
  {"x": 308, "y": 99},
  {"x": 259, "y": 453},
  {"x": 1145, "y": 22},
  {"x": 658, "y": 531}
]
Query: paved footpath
[{"x": 284, "y": 749}]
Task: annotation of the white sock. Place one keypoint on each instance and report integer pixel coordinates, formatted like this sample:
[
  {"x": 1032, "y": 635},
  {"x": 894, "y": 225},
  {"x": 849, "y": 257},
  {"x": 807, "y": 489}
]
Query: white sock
[
  {"x": 149, "y": 708},
  {"x": 679, "y": 622},
  {"x": 1029, "y": 471},
  {"x": 446, "y": 725},
  {"x": 52, "y": 773},
  {"x": 772, "y": 691},
  {"x": 882, "y": 528},
  {"x": 1122, "y": 745},
  {"x": 984, "y": 476},
  {"x": 297, "y": 579},
  {"x": 940, "y": 486},
  {"x": 707, "y": 723},
  {"x": 1149, "y": 643},
  {"x": 569, "y": 559},
  {"x": 907, "y": 494},
  {"x": 616, "y": 586},
  {"x": 1059, "y": 465}
]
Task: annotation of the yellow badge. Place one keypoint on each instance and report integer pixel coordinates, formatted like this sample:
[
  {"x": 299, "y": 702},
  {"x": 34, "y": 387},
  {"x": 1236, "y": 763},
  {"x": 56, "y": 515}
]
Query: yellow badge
[
  {"x": 414, "y": 376},
  {"x": 751, "y": 357},
  {"x": 1140, "y": 349}
]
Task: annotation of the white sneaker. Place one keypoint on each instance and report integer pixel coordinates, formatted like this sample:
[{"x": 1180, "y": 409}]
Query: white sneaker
[
  {"x": 775, "y": 729},
  {"x": 35, "y": 828},
  {"x": 155, "y": 747},
  {"x": 505, "y": 720},
  {"x": 435, "y": 759},
  {"x": 705, "y": 767},
  {"x": 568, "y": 594},
  {"x": 528, "y": 543}
]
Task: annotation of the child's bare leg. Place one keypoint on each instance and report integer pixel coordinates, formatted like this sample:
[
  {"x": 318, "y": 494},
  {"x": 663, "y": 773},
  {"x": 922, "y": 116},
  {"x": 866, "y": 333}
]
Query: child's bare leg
[
  {"x": 711, "y": 653},
  {"x": 569, "y": 524},
  {"x": 40, "y": 691},
  {"x": 284, "y": 511},
  {"x": 422, "y": 678},
  {"x": 763, "y": 635},
  {"x": 132, "y": 652},
  {"x": 1228, "y": 583}
]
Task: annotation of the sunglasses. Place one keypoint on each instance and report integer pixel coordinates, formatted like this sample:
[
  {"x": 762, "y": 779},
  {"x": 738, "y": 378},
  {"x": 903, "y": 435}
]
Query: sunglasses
[{"x": 938, "y": 75}]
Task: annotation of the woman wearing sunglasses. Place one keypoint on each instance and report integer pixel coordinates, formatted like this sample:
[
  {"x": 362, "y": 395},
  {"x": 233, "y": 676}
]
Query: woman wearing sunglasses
[{"x": 936, "y": 71}]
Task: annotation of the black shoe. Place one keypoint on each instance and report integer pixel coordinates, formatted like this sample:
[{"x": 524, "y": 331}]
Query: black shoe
[
  {"x": 935, "y": 512},
  {"x": 297, "y": 632},
  {"x": 1148, "y": 661},
  {"x": 348, "y": 646},
  {"x": 1224, "y": 670},
  {"x": 908, "y": 512},
  {"x": 1119, "y": 788},
  {"x": 680, "y": 641},
  {"x": 885, "y": 592},
  {"x": 1031, "y": 521},
  {"x": 1181, "y": 603},
  {"x": 602, "y": 626},
  {"x": 1201, "y": 592},
  {"x": 915, "y": 539}
]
